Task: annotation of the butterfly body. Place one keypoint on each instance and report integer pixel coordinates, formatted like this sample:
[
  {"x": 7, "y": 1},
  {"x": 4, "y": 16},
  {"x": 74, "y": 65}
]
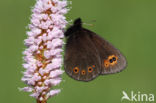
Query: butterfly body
[{"x": 87, "y": 55}]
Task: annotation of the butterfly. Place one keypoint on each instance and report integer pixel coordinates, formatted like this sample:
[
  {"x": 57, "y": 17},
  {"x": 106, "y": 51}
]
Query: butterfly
[{"x": 87, "y": 55}]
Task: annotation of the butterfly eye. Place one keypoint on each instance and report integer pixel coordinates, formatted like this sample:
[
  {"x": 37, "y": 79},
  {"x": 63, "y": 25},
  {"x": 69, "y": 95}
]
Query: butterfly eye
[
  {"x": 76, "y": 70},
  {"x": 90, "y": 69},
  {"x": 83, "y": 72}
]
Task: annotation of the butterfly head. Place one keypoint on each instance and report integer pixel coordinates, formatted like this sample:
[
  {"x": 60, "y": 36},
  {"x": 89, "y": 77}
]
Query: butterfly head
[
  {"x": 75, "y": 27},
  {"x": 78, "y": 23}
]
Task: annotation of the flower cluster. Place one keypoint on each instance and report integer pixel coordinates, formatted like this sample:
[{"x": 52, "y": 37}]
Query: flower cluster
[{"x": 42, "y": 58}]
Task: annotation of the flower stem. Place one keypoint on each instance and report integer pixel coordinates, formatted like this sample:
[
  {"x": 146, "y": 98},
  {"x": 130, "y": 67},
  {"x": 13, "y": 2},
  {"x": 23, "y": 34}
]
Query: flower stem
[{"x": 38, "y": 101}]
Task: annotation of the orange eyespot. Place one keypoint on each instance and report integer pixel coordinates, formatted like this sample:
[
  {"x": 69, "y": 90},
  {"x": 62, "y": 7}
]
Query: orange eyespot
[
  {"x": 93, "y": 66},
  {"x": 111, "y": 60},
  {"x": 90, "y": 69},
  {"x": 76, "y": 70},
  {"x": 114, "y": 59},
  {"x": 106, "y": 63},
  {"x": 83, "y": 72}
]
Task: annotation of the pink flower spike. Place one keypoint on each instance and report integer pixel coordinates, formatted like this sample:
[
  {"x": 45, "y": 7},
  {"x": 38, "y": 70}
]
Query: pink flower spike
[{"x": 42, "y": 57}]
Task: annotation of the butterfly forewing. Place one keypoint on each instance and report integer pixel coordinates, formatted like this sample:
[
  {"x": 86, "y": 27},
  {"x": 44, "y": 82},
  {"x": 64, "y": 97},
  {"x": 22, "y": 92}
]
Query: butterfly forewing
[
  {"x": 81, "y": 60},
  {"x": 112, "y": 61}
]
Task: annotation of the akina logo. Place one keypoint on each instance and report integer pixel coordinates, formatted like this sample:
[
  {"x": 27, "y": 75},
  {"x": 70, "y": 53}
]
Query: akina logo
[{"x": 137, "y": 96}]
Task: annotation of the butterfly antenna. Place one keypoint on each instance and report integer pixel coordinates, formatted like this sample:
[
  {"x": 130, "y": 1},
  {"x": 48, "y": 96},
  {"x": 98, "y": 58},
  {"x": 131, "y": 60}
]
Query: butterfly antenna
[{"x": 90, "y": 24}]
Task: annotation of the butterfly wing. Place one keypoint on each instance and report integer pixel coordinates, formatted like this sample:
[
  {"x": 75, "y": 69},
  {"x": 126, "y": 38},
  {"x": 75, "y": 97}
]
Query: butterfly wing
[
  {"x": 81, "y": 60},
  {"x": 112, "y": 61}
]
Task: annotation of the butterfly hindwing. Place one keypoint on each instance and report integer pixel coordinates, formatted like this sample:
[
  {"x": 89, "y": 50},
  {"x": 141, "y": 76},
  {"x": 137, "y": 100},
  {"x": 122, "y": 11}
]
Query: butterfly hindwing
[
  {"x": 112, "y": 61},
  {"x": 81, "y": 59}
]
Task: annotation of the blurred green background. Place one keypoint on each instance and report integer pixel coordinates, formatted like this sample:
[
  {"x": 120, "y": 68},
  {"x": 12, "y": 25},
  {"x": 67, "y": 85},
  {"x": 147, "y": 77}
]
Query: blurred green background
[{"x": 128, "y": 24}]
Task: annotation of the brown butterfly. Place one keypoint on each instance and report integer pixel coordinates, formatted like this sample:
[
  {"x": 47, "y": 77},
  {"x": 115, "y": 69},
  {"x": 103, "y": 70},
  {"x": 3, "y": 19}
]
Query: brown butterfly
[{"x": 87, "y": 55}]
